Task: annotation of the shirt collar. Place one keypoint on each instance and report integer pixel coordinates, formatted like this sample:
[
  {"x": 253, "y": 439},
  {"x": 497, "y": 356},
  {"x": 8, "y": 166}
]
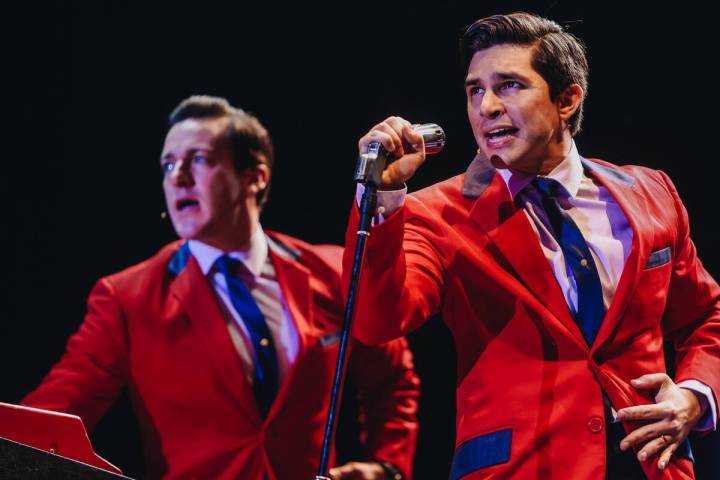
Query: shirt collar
[
  {"x": 567, "y": 173},
  {"x": 253, "y": 257}
]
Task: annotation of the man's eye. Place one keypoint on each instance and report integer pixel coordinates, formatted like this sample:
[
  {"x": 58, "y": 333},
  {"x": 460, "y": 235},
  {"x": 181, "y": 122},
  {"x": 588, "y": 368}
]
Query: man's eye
[
  {"x": 167, "y": 167},
  {"x": 474, "y": 91},
  {"x": 199, "y": 159},
  {"x": 510, "y": 85}
]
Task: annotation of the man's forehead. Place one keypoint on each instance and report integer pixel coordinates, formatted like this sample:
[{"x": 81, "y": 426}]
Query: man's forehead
[
  {"x": 500, "y": 61},
  {"x": 193, "y": 132}
]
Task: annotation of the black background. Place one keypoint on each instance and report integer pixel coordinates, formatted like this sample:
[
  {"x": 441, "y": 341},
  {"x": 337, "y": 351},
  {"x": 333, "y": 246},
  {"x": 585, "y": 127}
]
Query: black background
[{"x": 91, "y": 84}]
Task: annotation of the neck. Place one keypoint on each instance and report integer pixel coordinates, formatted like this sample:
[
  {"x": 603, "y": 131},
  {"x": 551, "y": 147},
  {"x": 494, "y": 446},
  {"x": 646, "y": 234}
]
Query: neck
[
  {"x": 564, "y": 145},
  {"x": 236, "y": 232},
  {"x": 558, "y": 151}
]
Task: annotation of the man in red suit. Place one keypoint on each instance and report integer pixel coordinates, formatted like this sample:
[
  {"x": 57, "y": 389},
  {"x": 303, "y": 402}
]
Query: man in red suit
[
  {"x": 560, "y": 277},
  {"x": 227, "y": 341}
]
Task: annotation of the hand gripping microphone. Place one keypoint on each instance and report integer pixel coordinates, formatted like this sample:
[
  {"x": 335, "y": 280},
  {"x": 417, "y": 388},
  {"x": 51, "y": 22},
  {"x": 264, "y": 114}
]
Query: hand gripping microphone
[{"x": 372, "y": 163}]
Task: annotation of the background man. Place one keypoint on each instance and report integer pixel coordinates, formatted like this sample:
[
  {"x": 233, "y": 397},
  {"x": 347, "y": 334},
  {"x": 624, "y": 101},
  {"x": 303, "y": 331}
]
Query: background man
[
  {"x": 560, "y": 277},
  {"x": 227, "y": 341}
]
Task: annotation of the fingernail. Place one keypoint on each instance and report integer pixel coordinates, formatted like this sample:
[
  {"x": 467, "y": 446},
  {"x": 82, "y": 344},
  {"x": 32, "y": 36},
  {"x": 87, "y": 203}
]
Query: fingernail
[
  {"x": 642, "y": 456},
  {"x": 623, "y": 446},
  {"x": 661, "y": 465}
]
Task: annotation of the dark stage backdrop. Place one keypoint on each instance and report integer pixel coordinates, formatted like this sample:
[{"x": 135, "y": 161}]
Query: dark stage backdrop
[{"x": 92, "y": 84}]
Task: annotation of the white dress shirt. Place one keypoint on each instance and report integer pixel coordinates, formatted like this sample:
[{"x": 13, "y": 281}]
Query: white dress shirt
[
  {"x": 603, "y": 224},
  {"x": 266, "y": 292},
  {"x": 596, "y": 213}
]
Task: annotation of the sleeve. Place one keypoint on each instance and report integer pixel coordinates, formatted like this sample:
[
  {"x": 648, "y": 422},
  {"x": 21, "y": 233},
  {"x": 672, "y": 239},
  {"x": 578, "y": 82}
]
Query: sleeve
[
  {"x": 402, "y": 276},
  {"x": 388, "y": 201},
  {"x": 388, "y": 392},
  {"x": 692, "y": 315},
  {"x": 94, "y": 367},
  {"x": 704, "y": 395}
]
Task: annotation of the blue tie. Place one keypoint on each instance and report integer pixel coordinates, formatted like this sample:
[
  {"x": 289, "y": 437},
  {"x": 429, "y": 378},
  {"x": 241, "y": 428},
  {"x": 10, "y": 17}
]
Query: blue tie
[
  {"x": 265, "y": 383},
  {"x": 591, "y": 309}
]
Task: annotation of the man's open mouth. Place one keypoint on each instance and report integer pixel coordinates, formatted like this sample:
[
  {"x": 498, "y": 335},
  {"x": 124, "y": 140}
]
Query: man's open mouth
[
  {"x": 185, "y": 203},
  {"x": 500, "y": 132}
]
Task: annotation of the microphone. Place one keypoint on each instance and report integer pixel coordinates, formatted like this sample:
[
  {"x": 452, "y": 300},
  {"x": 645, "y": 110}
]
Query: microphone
[
  {"x": 433, "y": 135},
  {"x": 372, "y": 163}
]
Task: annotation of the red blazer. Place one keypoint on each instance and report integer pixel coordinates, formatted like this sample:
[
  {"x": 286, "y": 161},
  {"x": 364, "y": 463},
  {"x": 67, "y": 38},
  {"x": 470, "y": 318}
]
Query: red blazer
[
  {"x": 157, "y": 329},
  {"x": 529, "y": 402}
]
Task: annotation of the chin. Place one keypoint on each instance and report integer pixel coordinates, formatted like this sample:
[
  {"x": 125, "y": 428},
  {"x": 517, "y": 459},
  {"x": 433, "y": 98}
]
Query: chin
[
  {"x": 498, "y": 162},
  {"x": 508, "y": 160},
  {"x": 186, "y": 232}
]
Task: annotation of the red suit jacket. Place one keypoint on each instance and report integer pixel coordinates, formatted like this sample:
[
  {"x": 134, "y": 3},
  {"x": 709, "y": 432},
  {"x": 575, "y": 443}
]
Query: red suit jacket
[
  {"x": 529, "y": 401},
  {"x": 157, "y": 329}
]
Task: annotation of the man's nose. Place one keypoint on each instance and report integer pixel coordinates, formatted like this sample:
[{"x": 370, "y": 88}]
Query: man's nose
[{"x": 490, "y": 106}]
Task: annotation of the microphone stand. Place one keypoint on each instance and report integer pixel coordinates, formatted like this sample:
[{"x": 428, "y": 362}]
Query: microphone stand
[{"x": 368, "y": 172}]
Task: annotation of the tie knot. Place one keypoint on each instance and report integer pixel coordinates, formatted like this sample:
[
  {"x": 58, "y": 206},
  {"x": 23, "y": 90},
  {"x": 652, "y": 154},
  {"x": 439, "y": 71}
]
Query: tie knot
[
  {"x": 228, "y": 266},
  {"x": 547, "y": 186}
]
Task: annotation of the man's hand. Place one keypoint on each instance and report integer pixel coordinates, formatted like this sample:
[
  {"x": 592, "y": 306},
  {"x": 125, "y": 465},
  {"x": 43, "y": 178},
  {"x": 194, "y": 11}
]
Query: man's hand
[
  {"x": 668, "y": 421},
  {"x": 407, "y": 146},
  {"x": 358, "y": 471}
]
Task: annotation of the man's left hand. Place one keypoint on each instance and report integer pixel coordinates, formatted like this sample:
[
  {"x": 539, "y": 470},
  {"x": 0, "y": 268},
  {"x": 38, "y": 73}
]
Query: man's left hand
[
  {"x": 668, "y": 421},
  {"x": 358, "y": 471}
]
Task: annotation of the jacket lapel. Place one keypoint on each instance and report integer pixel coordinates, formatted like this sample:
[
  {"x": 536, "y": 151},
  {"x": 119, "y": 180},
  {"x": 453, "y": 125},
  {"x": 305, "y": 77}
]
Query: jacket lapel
[
  {"x": 625, "y": 191},
  {"x": 510, "y": 231},
  {"x": 294, "y": 281},
  {"x": 195, "y": 294}
]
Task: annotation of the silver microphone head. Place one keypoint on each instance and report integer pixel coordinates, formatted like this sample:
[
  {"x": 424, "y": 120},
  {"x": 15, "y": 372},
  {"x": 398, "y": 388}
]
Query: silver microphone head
[{"x": 433, "y": 135}]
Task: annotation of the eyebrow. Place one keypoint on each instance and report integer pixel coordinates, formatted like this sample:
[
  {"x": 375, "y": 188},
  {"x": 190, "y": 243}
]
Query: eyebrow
[
  {"x": 191, "y": 151},
  {"x": 498, "y": 76}
]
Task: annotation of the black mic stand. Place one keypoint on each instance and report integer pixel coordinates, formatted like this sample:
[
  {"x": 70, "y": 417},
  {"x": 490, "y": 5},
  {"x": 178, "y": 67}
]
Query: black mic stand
[{"x": 368, "y": 172}]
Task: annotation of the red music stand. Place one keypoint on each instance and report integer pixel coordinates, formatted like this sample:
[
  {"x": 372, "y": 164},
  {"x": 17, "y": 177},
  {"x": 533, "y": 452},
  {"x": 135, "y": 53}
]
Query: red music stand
[{"x": 61, "y": 435}]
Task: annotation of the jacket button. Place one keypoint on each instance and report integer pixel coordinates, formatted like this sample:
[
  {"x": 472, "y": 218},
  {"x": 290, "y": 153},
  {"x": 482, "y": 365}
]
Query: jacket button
[{"x": 595, "y": 425}]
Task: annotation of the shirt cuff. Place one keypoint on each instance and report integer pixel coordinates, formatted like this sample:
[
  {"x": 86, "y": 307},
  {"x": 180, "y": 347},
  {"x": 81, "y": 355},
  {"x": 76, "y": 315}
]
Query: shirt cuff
[
  {"x": 705, "y": 395},
  {"x": 388, "y": 201}
]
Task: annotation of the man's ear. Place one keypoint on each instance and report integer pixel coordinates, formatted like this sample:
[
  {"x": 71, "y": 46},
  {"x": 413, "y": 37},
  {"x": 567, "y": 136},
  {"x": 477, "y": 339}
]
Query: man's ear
[
  {"x": 257, "y": 178},
  {"x": 569, "y": 100}
]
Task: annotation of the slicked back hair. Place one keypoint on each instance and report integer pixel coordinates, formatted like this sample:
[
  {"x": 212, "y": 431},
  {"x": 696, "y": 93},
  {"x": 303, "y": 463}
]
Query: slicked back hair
[
  {"x": 559, "y": 56},
  {"x": 249, "y": 141}
]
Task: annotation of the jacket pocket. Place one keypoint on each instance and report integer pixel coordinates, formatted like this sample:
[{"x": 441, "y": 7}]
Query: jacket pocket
[
  {"x": 329, "y": 339},
  {"x": 659, "y": 257},
  {"x": 480, "y": 452}
]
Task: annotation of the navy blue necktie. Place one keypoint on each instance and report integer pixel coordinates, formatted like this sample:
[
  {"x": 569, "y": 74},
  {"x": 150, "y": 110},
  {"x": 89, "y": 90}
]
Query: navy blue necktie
[
  {"x": 265, "y": 383},
  {"x": 590, "y": 309}
]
